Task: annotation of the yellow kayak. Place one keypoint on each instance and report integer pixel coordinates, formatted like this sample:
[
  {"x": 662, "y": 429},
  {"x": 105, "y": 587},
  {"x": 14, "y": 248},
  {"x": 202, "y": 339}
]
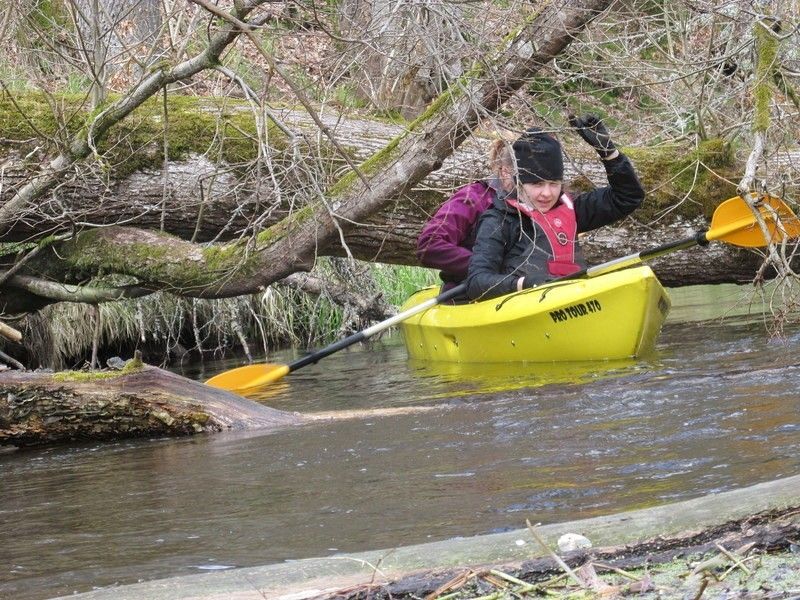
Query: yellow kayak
[{"x": 612, "y": 316}]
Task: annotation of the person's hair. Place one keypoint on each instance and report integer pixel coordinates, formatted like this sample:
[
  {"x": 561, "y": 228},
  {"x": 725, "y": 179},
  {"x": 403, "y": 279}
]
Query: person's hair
[{"x": 500, "y": 155}]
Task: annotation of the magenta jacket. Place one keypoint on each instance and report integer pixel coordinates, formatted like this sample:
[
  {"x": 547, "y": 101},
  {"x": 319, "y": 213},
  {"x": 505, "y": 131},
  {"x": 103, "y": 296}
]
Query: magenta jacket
[{"x": 446, "y": 240}]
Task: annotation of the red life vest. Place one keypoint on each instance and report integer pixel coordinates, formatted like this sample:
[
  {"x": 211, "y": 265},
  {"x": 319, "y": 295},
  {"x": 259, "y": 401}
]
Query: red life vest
[{"x": 561, "y": 228}]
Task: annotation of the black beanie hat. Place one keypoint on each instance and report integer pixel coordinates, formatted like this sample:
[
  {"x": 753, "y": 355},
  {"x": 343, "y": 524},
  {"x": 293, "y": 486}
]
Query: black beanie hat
[{"x": 538, "y": 156}]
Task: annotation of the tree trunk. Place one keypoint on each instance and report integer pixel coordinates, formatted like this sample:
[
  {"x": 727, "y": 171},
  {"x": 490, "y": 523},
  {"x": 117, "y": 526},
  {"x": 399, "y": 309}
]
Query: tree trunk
[
  {"x": 46, "y": 408},
  {"x": 209, "y": 201},
  {"x": 409, "y": 52},
  {"x": 118, "y": 40}
]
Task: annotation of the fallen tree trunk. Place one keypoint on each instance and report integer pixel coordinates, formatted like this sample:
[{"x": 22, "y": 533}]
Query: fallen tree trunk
[
  {"x": 41, "y": 407},
  {"x": 45, "y": 408},
  {"x": 202, "y": 198},
  {"x": 390, "y": 236}
]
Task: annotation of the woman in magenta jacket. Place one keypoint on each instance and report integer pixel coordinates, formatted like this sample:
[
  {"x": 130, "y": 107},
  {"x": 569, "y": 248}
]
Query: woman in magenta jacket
[{"x": 446, "y": 240}]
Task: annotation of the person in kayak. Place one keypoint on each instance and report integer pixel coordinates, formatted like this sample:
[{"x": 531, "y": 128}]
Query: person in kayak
[
  {"x": 529, "y": 236},
  {"x": 446, "y": 240}
]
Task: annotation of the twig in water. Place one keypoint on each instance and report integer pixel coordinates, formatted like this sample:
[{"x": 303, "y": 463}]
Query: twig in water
[
  {"x": 524, "y": 585},
  {"x": 737, "y": 561},
  {"x": 492, "y": 596},
  {"x": 703, "y": 586},
  {"x": 377, "y": 568},
  {"x": 616, "y": 570},
  {"x": 555, "y": 556},
  {"x": 12, "y": 361},
  {"x": 455, "y": 583}
]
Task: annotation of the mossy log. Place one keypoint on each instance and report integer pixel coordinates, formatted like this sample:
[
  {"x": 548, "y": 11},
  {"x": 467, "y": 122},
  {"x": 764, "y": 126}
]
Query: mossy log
[
  {"x": 219, "y": 199},
  {"x": 44, "y": 407}
]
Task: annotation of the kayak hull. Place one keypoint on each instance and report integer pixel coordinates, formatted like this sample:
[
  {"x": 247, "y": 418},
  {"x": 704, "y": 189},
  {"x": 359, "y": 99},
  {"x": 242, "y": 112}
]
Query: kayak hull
[{"x": 612, "y": 316}]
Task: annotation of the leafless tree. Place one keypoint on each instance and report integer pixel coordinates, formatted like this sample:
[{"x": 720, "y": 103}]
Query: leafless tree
[{"x": 95, "y": 201}]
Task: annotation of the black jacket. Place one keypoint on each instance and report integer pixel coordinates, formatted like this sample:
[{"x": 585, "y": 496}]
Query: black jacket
[{"x": 509, "y": 245}]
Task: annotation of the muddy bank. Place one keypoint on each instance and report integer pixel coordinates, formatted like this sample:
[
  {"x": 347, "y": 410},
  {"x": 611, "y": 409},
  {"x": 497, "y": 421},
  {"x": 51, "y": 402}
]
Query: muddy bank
[{"x": 766, "y": 512}]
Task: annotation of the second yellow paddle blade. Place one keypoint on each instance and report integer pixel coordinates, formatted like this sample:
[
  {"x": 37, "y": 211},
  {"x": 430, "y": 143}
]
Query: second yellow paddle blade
[
  {"x": 249, "y": 376},
  {"x": 735, "y": 223}
]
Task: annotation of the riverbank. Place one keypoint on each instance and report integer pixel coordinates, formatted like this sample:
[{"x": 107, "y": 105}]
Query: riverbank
[{"x": 681, "y": 534}]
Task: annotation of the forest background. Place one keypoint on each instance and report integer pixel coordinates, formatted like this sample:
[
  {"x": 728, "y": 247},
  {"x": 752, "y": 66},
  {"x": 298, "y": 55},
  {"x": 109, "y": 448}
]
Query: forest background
[{"x": 192, "y": 177}]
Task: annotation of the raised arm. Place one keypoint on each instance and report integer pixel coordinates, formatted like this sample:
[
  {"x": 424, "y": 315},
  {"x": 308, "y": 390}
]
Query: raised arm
[{"x": 624, "y": 192}]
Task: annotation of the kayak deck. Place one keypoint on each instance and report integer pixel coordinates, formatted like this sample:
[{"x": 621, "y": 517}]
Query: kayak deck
[{"x": 612, "y": 316}]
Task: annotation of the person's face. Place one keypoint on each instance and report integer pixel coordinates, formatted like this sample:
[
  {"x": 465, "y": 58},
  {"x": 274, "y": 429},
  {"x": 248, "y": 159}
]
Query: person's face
[
  {"x": 506, "y": 176},
  {"x": 541, "y": 195}
]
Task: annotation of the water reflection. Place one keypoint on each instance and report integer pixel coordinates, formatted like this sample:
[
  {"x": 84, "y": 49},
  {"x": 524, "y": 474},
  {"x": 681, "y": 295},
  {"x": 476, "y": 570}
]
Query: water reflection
[
  {"x": 352, "y": 384},
  {"x": 460, "y": 379},
  {"x": 716, "y": 407}
]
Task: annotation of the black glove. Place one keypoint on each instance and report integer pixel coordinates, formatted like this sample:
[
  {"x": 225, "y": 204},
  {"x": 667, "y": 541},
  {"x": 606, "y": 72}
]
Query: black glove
[
  {"x": 591, "y": 129},
  {"x": 530, "y": 282}
]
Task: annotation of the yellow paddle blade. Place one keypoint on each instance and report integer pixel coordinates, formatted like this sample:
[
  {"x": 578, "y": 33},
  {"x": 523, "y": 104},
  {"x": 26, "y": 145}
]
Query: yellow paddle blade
[
  {"x": 734, "y": 222},
  {"x": 249, "y": 376}
]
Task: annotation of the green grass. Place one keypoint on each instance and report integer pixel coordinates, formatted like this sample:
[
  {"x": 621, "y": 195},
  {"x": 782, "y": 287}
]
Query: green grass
[
  {"x": 399, "y": 282},
  {"x": 13, "y": 78},
  {"x": 77, "y": 83},
  {"x": 346, "y": 96},
  {"x": 61, "y": 335}
]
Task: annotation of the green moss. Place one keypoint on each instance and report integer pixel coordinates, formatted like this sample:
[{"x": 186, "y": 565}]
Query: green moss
[
  {"x": 221, "y": 259},
  {"x": 220, "y": 127},
  {"x": 155, "y": 262},
  {"x": 223, "y": 127},
  {"x": 28, "y": 114},
  {"x": 372, "y": 165},
  {"x": 7, "y": 249},
  {"x": 85, "y": 376},
  {"x": 90, "y": 248},
  {"x": 697, "y": 178},
  {"x": 133, "y": 365},
  {"x": 766, "y": 51},
  {"x": 285, "y": 226},
  {"x": 146, "y": 261},
  {"x": 199, "y": 417}
]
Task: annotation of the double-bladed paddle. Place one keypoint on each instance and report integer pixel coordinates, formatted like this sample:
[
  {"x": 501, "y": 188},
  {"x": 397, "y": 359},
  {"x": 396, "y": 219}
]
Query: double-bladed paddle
[
  {"x": 733, "y": 222},
  {"x": 252, "y": 376}
]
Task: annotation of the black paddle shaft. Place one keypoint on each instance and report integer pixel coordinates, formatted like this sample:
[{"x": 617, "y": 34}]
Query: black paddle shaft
[{"x": 698, "y": 239}]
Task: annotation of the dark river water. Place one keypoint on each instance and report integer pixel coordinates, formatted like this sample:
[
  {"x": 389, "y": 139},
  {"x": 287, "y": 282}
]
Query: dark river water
[{"x": 716, "y": 407}]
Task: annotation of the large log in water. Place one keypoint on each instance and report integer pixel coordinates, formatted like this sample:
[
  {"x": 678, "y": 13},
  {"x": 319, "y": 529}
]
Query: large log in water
[{"x": 45, "y": 408}]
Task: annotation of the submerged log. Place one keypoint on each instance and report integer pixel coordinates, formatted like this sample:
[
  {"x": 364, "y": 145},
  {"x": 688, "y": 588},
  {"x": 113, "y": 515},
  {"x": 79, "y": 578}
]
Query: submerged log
[{"x": 45, "y": 408}]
